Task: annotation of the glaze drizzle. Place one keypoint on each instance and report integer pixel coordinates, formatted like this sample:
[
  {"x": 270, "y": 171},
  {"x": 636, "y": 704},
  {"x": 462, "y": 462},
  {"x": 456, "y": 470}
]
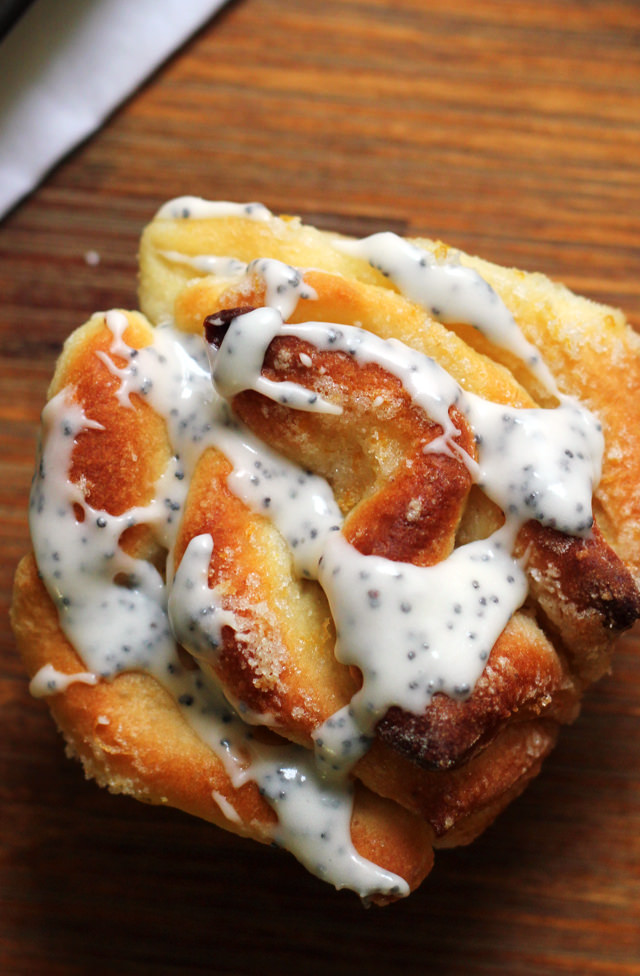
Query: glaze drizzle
[{"x": 541, "y": 464}]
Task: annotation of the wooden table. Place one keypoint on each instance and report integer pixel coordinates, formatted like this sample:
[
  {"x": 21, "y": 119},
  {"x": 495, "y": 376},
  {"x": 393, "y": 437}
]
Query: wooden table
[{"x": 510, "y": 128}]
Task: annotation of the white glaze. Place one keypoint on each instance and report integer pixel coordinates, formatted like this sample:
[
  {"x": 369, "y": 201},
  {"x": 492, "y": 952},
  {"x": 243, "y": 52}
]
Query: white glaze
[
  {"x": 284, "y": 285},
  {"x": 227, "y": 808},
  {"x": 196, "y": 611},
  {"x": 444, "y": 619},
  {"x": 210, "y": 264},
  {"x": 524, "y": 464},
  {"x": 195, "y": 208},
  {"x": 449, "y": 291},
  {"x": 49, "y": 681},
  {"x": 126, "y": 627}
]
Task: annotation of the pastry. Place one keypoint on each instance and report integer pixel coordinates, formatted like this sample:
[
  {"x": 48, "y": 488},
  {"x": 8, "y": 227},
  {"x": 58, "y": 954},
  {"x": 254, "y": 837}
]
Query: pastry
[{"x": 331, "y": 536}]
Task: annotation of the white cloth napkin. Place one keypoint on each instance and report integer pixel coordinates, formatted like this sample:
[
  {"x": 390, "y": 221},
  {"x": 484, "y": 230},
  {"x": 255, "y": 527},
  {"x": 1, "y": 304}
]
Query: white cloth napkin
[{"x": 65, "y": 67}]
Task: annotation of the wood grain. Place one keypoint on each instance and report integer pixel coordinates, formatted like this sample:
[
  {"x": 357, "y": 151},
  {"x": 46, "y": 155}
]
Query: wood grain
[{"x": 510, "y": 128}]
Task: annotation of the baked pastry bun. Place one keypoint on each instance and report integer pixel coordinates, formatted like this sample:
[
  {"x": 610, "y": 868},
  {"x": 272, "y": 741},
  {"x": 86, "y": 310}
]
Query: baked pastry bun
[{"x": 330, "y": 538}]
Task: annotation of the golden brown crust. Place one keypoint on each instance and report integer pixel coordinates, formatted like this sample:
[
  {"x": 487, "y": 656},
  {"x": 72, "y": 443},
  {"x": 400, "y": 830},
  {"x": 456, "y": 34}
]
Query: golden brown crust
[
  {"x": 372, "y": 455},
  {"x": 119, "y": 464},
  {"x": 460, "y": 803},
  {"x": 524, "y": 679},
  {"x": 402, "y": 502},
  {"x": 439, "y": 777},
  {"x": 283, "y": 666},
  {"x": 578, "y": 337},
  {"x": 130, "y": 736},
  {"x": 583, "y": 589},
  {"x": 128, "y": 732}
]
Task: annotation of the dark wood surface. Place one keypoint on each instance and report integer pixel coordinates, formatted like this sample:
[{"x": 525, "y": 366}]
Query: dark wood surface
[{"x": 508, "y": 127}]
